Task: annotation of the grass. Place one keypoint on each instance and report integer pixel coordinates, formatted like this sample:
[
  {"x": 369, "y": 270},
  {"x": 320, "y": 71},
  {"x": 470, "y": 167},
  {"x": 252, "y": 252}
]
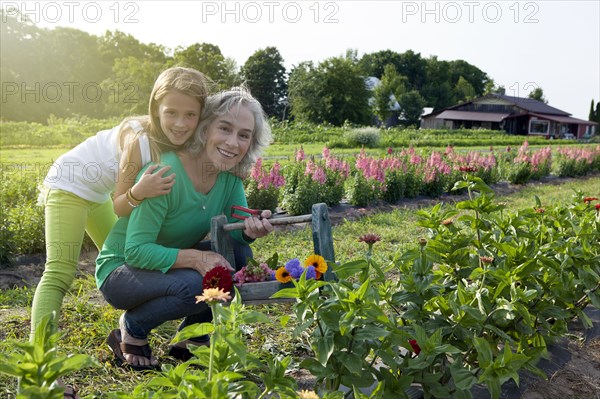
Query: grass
[{"x": 86, "y": 318}]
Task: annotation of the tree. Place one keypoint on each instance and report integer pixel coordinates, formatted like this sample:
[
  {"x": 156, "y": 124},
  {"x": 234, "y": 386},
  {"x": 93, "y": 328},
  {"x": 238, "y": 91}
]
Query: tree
[
  {"x": 500, "y": 90},
  {"x": 207, "y": 58},
  {"x": 463, "y": 90},
  {"x": 592, "y": 117},
  {"x": 409, "y": 64},
  {"x": 303, "y": 93},
  {"x": 334, "y": 92},
  {"x": 538, "y": 94},
  {"x": 414, "y": 68},
  {"x": 129, "y": 86},
  {"x": 264, "y": 74},
  {"x": 383, "y": 94},
  {"x": 492, "y": 88},
  {"x": 437, "y": 89},
  {"x": 411, "y": 105},
  {"x": 373, "y": 64},
  {"x": 475, "y": 76},
  {"x": 116, "y": 45}
]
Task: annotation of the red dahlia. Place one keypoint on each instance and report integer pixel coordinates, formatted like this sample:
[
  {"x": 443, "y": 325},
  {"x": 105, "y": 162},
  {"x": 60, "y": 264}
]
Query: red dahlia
[{"x": 218, "y": 277}]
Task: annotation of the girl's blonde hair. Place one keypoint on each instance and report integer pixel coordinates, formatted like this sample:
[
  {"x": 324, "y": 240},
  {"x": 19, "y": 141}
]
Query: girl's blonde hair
[
  {"x": 184, "y": 80},
  {"x": 221, "y": 103}
]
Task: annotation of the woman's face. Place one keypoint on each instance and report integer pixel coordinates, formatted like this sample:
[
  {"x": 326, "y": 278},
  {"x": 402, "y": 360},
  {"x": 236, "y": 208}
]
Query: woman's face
[
  {"x": 228, "y": 138},
  {"x": 179, "y": 115}
]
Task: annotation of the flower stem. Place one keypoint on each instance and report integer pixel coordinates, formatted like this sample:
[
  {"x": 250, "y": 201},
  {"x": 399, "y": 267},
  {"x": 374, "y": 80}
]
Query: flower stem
[{"x": 212, "y": 344}]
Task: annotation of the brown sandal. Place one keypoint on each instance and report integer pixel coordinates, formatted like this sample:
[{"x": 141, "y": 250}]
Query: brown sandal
[
  {"x": 70, "y": 393},
  {"x": 117, "y": 347}
]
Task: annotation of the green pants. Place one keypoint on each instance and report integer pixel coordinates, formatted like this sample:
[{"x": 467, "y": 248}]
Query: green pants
[{"x": 68, "y": 216}]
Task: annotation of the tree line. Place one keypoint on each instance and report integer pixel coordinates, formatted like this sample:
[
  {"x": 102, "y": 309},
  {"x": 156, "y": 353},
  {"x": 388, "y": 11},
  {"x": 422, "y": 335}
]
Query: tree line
[{"x": 67, "y": 72}]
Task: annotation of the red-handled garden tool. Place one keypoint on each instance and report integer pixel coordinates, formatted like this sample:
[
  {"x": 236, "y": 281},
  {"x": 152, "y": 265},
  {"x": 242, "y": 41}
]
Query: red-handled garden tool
[{"x": 251, "y": 212}]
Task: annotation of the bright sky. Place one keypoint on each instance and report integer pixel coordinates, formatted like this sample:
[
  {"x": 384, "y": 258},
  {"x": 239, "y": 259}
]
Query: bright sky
[{"x": 553, "y": 44}]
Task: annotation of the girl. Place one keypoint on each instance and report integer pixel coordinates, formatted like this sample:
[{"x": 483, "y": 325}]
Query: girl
[{"x": 78, "y": 186}]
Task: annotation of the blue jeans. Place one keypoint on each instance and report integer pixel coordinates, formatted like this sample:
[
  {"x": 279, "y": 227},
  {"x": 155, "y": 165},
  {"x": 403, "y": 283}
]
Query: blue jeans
[{"x": 151, "y": 297}]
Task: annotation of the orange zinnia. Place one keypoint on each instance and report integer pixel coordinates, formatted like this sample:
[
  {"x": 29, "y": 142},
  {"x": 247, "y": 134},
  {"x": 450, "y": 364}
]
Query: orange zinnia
[
  {"x": 318, "y": 262},
  {"x": 282, "y": 275},
  {"x": 213, "y": 295}
]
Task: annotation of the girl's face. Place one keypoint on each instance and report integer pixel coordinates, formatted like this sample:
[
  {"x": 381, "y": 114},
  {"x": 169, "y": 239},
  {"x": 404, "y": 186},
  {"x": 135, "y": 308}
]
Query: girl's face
[
  {"x": 179, "y": 115},
  {"x": 228, "y": 138}
]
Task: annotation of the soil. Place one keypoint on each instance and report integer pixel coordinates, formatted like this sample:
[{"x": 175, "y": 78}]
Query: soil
[
  {"x": 579, "y": 378},
  {"x": 573, "y": 372}
]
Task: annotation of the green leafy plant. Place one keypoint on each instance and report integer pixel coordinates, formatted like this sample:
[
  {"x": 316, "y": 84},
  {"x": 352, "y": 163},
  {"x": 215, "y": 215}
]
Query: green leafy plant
[
  {"x": 227, "y": 368},
  {"x": 38, "y": 365},
  {"x": 476, "y": 301}
]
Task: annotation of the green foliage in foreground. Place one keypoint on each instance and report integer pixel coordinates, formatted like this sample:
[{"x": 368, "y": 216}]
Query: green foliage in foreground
[
  {"x": 86, "y": 320},
  {"x": 38, "y": 364},
  {"x": 476, "y": 302}
]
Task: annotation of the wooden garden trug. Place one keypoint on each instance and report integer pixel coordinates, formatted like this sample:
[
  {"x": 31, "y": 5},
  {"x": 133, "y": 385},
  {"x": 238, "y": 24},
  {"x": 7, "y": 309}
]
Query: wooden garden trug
[{"x": 257, "y": 293}]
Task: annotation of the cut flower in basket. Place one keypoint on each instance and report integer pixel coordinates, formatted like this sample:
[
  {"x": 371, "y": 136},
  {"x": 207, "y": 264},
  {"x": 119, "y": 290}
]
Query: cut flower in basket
[
  {"x": 314, "y": 266},
  {"x": 253, "y": 273}
]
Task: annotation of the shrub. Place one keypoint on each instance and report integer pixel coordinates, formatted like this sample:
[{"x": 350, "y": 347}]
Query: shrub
[
  {"x": 359, "y": 190},
  {"x": 26, "y": 228},
  {"x": 364, "y": 136},
  {"x": 395, "y": 184},
  {"x": 7, "y": 247},
  {"x": 300, "y": 191}
]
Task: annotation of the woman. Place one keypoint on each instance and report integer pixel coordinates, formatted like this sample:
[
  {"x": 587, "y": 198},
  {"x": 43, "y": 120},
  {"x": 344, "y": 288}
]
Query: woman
[{"x": 147, "y": 265}]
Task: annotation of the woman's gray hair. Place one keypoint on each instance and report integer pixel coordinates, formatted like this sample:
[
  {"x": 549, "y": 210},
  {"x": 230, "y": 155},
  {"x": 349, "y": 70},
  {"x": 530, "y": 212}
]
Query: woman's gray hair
[{"x": 221, "y": 103}]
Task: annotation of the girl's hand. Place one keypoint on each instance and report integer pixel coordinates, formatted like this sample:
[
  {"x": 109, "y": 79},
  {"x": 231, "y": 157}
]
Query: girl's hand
[
  {"x": 153, "y": 182},
  {"x": 256, "y": 228}
]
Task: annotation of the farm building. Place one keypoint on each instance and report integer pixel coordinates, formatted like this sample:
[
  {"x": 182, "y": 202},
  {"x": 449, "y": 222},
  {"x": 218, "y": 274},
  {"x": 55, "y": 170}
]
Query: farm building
[{"x": 515, "y": 115}]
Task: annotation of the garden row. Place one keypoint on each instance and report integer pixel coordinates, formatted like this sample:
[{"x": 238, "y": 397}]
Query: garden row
[
  {"x": 297, "y": 185},
  {"x": 475, "y": 301}
]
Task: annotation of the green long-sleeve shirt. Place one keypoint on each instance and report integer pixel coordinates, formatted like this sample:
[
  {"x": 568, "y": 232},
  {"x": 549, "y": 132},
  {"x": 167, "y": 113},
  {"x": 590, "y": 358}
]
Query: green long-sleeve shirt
[{"x": 150, "y": 238}]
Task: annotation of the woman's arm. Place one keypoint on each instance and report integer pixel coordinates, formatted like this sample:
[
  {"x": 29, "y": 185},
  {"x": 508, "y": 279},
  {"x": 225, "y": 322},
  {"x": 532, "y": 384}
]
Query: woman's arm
[
  {"x": 254, "y": 227},
  {"x": 201, "y": 261},
  {"x": 142, "y": 250}
]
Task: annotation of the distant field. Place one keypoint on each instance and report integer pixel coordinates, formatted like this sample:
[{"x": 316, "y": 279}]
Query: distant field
[{"x": 276, "y": 151}]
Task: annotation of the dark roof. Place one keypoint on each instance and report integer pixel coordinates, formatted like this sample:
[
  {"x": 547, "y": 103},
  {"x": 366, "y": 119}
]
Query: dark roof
[
  {"x": 527, "y": 104},
  {"x": 531, "y": 105}
]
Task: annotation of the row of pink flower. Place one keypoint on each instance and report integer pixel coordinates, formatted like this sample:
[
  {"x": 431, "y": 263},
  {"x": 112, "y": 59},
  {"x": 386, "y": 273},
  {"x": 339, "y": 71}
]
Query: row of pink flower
[
  {"x": 429, "y": 167},
  {"x": 317, "y": 170},
  {"x": 436, "y": 164},
  {"x": 537, "y": 159},
  {"x": 265, "y": 180},
  {"x": 588, "y": 154}
]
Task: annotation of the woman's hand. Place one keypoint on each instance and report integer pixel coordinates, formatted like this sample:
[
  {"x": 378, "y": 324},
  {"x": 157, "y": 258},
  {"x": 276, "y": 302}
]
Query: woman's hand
[
  {"x": 256, "y": 228},
  {"x": 154, "y": 182},
  {"x": 201, "y": 261}
]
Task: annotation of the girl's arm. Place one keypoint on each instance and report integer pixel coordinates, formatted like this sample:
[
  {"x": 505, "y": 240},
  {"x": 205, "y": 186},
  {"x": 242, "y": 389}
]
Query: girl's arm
[{"x": 150, "y": 184}]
